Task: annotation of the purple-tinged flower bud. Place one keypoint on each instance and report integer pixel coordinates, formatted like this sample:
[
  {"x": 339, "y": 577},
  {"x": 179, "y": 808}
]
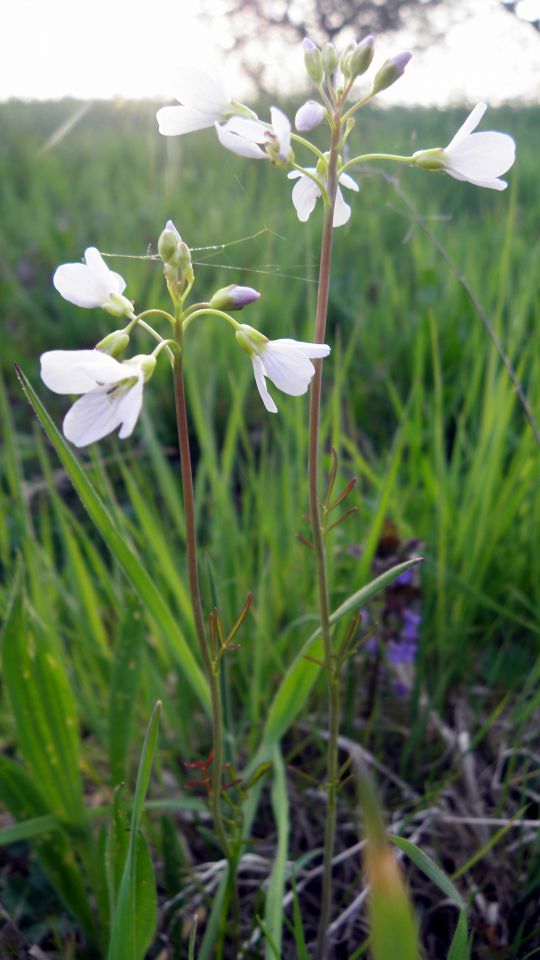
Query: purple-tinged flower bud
[
  {"x": 233, "y": 297},
  {"x": 329, "y": 58},
  {"x": 391, "y": 71},
  {"x": 360, "y": 58},
  {"x": 309, "y": 116},
  {"x": 313, "y": 61}
]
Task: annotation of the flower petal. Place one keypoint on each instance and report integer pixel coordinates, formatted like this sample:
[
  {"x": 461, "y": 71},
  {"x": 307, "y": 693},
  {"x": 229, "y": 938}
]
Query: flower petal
[
  {"x": 202, "y": 90},
  {"x": 347, "y": 181},
  {"x": 254, "y": 130},
  {"x": 174, "y": 121},
  {"x": 111, "y": 281},
  {"x": 79, "y": 371},
  {"x": 342, "y": 210},
  {"x": 101, "y": 411},
  {"x": 282, "y": 129},
  {"x": 470, "y": 124},
  {"x": 286, "y": 366},
  {"x": 304, "y": 197},
  {"x": 258, "y": 370},
  {"x": 238, "y": 144},
  {"x": 482, "y": 155}
]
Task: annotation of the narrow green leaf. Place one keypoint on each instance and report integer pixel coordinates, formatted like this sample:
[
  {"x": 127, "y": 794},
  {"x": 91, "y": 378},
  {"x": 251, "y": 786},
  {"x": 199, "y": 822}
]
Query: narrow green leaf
[
  {"x": 431, "y": 870},
  {"x": 146, "y": 905},
  {"x": 459, "y": 948},
  {"x": 299, "y": 937},
  {"x": 302, "y": 674},
  {"x": 215, "y": 920},
  {"x": 28, "y": 829},
  {"x": 280, "y": 806},
  {"x": 126, "y": 671},
  {"x": 129, "y": 561},
  {"x": 44, "y": 710},
  {"x": 131, "y": 935}
]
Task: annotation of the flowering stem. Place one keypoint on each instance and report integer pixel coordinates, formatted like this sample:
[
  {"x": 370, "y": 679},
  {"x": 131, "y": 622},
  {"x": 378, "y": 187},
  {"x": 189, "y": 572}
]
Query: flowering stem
[
  {"x": 211, "y": 669},
  {"x": 368, "y": 157},
  {"x": 188, "y": 317},
  {"x": 319, "y": 547}
]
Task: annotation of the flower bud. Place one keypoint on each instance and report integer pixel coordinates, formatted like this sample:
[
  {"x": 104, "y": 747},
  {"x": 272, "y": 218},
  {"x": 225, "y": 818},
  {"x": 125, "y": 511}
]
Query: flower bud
[
  {"x": 344, "y": 59},
  {"x": 233, "y": 297},
  {"x": 329, "y": 58},
  {"x": 167, "y": 245},
  {"x": 313, "y": 61},
  {"x": 309, "y": 116},
  {"x": 114, "y": 343},
  {"x": 360, "y": 58},
  {"x": 147, "y": 364},
  {"x": 391, "y": 71},
  {"x": 250, "y": 339}
]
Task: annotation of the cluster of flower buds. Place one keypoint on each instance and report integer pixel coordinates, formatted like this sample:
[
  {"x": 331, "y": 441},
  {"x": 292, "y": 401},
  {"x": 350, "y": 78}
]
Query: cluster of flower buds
[{"x": 175, "y": 254}]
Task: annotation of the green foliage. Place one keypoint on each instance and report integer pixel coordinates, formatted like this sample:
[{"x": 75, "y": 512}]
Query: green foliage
[{"x": 418, "y": 407}]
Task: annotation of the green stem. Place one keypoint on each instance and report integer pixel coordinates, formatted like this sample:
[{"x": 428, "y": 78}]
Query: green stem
[
  {"x": 368, "y": 157},
  {"x": 309, "y": 146},
  {"x": 194, "y": 585},
  {"x": 319, "y": 547},
  {"x": 211, "y": 311}
]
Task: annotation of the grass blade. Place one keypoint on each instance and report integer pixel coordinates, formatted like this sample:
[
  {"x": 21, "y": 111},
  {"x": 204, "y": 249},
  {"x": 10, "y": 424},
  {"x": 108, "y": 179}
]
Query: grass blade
[{"x": 130, "y": 563}]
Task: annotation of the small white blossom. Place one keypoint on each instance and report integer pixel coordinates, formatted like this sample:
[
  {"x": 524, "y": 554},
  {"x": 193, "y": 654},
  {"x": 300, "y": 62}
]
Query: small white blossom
[
  {"x": 243, "y": 136},
  {"x": 112, "y": 392},
  {"x": 204, "y": 100},
  {"x": 479, "y": 158},
  {"x": 306, "y": 192},
  {"x": 287, "y": 363},
  {"x": 92, "y": 284}
]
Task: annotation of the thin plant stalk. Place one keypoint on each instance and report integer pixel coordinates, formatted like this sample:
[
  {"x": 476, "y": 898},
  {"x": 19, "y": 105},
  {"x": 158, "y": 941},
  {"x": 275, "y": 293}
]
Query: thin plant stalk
[
  {"x": 332, "y": 676},
  {"x": 212, "y": 671}
]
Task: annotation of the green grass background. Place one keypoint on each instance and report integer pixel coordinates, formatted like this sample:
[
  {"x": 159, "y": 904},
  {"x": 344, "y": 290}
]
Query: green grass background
[{"x": 417, "y": 405}]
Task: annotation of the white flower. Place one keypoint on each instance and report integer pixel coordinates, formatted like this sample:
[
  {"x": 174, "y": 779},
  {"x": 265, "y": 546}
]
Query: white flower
[
  {"x": 92, "y": 284},
  {"x": 287, "y": 363},
  {"x": 478, "y": 158},
  {"x": 111, "y": 391},
  {"x": 306, "y": 192},
  {"x": 243, "y": 137},
  {"x": 204, "y": 100}
]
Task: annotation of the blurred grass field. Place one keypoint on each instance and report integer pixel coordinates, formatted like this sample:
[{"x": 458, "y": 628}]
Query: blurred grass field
[{"x": 418, "y": 406}]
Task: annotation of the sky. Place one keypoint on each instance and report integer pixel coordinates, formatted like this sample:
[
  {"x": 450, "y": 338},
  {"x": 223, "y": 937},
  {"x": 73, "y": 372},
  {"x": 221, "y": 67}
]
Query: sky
[{"x": 128, "y": 49}]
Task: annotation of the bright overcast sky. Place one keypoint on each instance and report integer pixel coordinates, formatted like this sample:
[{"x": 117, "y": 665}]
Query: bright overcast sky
[{"x": 128, "y": 48}]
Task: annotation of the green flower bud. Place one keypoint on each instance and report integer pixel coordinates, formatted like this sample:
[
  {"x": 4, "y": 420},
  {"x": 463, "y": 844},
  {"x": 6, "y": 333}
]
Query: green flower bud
[
  {"x": 361, "y": 57},
  {"x": 167, "y": 245},
  {"x": 313, "y": 61},
  {"x": 114, "y": 343},
  {"x": 391, "y": 71},
  {"x": 329, "y": 58},
  {"x": 147, "y": 364},
  {"x": 344, "y": 60}
]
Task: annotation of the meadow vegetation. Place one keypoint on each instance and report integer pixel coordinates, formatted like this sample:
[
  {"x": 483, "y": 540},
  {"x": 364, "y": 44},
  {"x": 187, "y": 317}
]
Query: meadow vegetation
[{"x": 417, "y": 406}]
